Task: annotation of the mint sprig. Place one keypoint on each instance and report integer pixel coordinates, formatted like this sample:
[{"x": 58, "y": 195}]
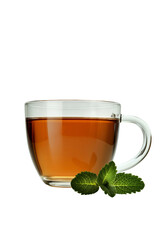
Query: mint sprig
[{"x": 108, "y": 180}]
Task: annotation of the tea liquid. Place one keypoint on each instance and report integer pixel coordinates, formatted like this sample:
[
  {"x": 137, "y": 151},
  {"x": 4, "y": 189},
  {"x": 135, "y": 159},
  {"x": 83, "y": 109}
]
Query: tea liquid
[{"x": 63, "y": 147}]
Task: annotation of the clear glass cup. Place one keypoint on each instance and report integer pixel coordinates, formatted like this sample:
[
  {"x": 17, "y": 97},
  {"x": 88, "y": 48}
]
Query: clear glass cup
[{"x": 66, "y": 137}]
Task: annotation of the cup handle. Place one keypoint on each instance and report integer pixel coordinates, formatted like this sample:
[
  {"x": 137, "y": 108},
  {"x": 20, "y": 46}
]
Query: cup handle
[{"x": 147, "y": 139}]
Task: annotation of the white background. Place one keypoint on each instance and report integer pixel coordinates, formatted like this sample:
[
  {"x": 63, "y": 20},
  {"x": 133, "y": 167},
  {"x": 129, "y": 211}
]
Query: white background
[{"x": 85, "y": 50}]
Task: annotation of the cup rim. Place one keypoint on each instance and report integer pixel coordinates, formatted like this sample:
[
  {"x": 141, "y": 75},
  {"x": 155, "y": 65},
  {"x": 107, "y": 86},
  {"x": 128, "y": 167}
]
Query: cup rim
[{"x": 73, "y": 100}]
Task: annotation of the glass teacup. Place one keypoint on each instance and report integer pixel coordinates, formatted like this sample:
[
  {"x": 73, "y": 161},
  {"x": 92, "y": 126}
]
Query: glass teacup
[{"x": 66, "y": 137}]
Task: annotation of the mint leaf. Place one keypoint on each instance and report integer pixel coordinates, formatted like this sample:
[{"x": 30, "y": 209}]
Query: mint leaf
[
  {"x": 127, "y": 183},
  {"x": 85, "y": 183},
  {"x": 110, "y": 182},
  {"x": 110, "y": 190},
  {"x": 107, "y": 174}
]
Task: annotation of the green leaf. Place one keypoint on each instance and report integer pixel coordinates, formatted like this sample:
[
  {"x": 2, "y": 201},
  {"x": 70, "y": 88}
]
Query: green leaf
[
  {"x": 107, "y": 174},
  {"x": 110, "y": 182},
  {"x": 85, "y": 183},
  {"x": 110, "y": 190},
  {"x": 127, "y": 183}
]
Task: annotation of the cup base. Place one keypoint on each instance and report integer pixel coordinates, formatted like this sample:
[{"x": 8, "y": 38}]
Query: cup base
[{"x": 63, "y": 182}]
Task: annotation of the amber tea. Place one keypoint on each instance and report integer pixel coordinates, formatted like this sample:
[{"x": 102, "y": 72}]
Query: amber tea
[{"x": 62, "y": 147}]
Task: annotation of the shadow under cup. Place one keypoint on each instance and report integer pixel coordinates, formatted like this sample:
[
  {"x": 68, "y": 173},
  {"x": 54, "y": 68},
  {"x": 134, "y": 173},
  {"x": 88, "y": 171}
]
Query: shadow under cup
[{"x": 66, "y": 137}]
